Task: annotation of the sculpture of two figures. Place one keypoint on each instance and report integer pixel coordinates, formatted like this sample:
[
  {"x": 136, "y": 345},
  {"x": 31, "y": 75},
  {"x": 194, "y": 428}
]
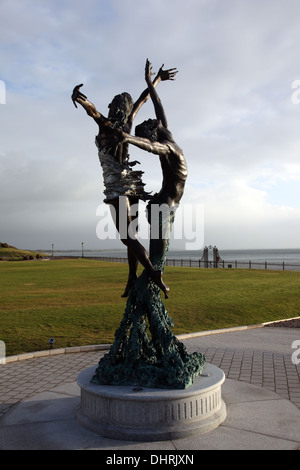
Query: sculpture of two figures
[{"x": 158, "y": 360}]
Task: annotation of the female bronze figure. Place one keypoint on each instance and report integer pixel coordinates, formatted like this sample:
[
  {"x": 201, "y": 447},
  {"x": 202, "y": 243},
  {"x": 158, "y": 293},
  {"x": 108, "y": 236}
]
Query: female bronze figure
[{"x": 120, "y": 179}]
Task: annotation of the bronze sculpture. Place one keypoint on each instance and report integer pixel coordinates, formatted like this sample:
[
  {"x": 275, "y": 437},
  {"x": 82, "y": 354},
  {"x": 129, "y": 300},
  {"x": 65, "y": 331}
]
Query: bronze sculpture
[{"x": 135, "y": 358}]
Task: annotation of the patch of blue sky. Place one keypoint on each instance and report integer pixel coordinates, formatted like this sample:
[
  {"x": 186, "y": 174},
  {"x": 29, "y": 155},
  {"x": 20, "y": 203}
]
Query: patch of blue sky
[
  {"x": 105, "y": 11},
  {"x": 89, "y": 11},
  {"x": 285, "y": 193}
]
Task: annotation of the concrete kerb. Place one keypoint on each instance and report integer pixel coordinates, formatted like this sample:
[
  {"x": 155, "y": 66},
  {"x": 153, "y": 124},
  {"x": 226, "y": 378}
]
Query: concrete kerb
[
  {"x": 54, "y": 352},
  {"x": 230, "y": 330},
  {"x": 103, "y": 347}
]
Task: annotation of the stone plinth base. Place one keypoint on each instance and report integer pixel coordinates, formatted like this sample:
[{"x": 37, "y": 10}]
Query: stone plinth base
[{"x": 146, "y": 414}]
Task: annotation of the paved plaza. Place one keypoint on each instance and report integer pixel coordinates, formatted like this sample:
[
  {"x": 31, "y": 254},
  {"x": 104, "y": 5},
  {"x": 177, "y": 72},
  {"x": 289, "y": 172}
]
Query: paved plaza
[{"x": 39, "y": 395}]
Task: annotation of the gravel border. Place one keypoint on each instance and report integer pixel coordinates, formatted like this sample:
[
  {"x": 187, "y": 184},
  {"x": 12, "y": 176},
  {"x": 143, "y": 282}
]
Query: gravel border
[{"x": 292, "y": 323}]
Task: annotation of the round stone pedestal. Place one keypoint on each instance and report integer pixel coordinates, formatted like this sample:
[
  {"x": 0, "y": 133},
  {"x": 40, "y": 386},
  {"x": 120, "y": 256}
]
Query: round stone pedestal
[{"x": 148, "y": 414}]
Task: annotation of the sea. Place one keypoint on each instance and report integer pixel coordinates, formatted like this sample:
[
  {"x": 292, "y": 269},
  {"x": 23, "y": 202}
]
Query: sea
[{"x": 287, "y": 259}]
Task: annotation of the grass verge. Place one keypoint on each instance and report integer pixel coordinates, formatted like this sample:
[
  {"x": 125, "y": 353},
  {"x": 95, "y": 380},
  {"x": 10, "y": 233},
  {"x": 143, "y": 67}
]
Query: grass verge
[{"x": 78, "y": 302}]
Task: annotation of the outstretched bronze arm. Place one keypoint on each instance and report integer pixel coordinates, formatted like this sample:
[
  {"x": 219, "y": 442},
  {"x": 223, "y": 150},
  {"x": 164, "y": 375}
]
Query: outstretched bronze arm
[
  {"x": 155, "y": 147},
  {"x": 162, "y": 75},
  {"x": 159, "y": 110},
  {"x": 78, "y": 97}
]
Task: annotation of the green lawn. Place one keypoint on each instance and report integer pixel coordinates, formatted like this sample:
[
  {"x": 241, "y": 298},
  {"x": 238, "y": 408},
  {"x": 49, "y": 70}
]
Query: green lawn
[{"x": 79, "y": 301}]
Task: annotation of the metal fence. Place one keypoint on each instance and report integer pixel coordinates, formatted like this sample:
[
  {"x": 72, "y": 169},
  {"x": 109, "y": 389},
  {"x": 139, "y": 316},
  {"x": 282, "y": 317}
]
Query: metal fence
[{"x": 228, "y": 264}]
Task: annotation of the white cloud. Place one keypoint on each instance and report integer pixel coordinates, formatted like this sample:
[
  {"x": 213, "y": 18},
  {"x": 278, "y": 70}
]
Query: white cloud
[
  {"x": 237, "y": 215},
  {"x": 230, "y": 110}
]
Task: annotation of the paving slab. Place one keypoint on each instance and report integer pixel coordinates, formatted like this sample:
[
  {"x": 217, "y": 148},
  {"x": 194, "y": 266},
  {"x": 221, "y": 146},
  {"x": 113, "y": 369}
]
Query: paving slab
[
  {"x": 39, "y": 397},
  {"x": 256, "y": 419}
]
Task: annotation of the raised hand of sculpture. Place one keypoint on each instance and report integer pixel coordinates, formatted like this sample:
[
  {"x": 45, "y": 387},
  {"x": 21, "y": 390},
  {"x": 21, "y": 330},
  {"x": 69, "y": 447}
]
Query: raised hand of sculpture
[{"x": 120, "y": 180}]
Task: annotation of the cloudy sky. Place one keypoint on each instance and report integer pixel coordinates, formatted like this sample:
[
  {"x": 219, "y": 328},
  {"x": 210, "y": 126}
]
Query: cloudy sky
[{"x": 232, "y": 109}]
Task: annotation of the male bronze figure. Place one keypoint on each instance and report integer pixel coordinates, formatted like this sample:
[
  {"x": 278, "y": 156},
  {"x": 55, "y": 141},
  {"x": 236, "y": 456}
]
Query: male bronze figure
[{"x": 154, "y": 136}]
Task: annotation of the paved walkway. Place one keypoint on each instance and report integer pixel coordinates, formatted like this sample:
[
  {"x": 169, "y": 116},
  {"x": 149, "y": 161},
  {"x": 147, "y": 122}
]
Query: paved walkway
[{"x": 258, "y": 367}]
